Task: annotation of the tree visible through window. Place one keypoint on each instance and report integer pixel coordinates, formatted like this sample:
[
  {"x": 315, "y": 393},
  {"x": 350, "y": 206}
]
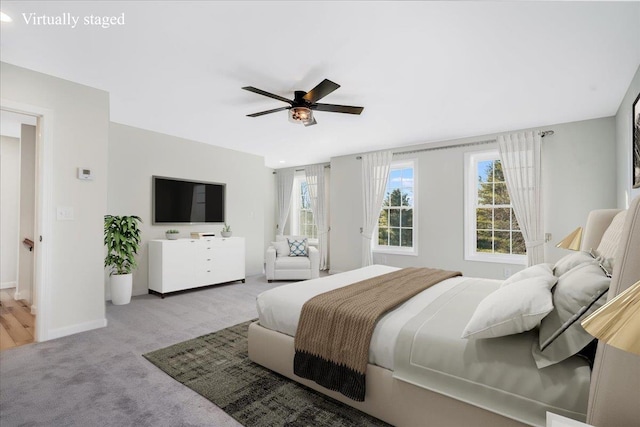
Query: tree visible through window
[
  {"x": 497, "y": 230},
  {"x": 306, "y": 224},
  {"x": 395, "y": 224}
]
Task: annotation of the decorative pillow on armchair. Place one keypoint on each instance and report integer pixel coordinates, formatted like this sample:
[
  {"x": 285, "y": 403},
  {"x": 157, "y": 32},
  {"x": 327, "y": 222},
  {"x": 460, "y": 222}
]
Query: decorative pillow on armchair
[
  {"x": 297, "y": 247},
  {"x": 281, "y": 247}
]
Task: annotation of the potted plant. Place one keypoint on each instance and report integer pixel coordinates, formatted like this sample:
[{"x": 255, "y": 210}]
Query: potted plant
[
  {"x": 122, "y": 239},
  {"x": 226, "y": 230},
  {"x": 172, "y": 234}
]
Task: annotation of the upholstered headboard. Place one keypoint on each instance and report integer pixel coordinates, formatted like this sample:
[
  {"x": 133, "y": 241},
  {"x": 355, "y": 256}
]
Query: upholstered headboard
[
  {"x": 597, "y": 223},
  {"x": 614, "y": 398}
]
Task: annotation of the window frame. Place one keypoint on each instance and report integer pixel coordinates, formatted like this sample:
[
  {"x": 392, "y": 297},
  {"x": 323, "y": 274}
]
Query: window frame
[
  {"x": 471, "y": 161},
  {"x": 294, "y": 223},
  {"x": 402, "y": 250}
]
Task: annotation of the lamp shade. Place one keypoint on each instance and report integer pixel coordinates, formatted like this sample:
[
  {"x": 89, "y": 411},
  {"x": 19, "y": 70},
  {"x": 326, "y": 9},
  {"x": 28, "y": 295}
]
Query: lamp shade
[
  {"x": 618, "y": 321},
  {"x": 572, "y": 241}
]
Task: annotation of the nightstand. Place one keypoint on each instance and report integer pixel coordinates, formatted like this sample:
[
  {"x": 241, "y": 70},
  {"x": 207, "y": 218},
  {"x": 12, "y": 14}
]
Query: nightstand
[{"x": 555, "y": 420}]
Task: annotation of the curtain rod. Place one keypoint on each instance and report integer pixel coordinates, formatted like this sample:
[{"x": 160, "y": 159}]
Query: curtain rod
[
  {"x": 301, "y": 170},
  {"x": 465, "y": 144}
]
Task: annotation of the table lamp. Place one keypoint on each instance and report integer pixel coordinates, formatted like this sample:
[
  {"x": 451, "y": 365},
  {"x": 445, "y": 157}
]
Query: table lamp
[
  {"x": 572, "y": 241},
  {"x": 617, "y": 323}
]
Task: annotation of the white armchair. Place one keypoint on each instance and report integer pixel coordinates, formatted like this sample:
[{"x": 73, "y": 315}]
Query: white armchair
[{"x": 281, "y": 266}]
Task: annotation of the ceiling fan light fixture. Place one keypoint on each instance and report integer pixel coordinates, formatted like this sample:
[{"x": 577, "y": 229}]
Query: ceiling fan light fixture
[{"x": 302, "y": 115}]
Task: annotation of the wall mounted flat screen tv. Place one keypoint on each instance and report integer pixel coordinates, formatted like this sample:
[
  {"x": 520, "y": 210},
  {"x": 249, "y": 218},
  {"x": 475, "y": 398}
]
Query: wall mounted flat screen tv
[{"x": 179, "y": 201}]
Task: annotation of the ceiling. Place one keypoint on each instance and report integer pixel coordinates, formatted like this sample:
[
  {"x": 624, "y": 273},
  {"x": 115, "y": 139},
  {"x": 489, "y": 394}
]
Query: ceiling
[{"x": 424, "y": 71}]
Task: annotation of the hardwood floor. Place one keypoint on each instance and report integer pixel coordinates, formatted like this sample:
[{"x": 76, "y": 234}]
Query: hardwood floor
[{"x": 16, "y": 321}]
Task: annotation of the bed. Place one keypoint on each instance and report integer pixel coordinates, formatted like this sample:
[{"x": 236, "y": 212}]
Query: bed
[{"x": 421, "y": 372}]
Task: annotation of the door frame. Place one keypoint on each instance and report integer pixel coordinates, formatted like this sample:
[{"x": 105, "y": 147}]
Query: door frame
[{"x": 44, "y": 213}]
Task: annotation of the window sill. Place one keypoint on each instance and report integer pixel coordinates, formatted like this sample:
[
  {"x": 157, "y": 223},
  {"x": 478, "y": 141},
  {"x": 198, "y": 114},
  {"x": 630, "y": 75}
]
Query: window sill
[
  {"x": 498, "y": 259},
  {"x": 409, "y": 252}
]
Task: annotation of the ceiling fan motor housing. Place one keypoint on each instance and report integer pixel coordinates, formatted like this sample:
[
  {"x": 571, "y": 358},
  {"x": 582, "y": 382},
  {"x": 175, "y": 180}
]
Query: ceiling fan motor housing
[{"x": 299, "y": 101}]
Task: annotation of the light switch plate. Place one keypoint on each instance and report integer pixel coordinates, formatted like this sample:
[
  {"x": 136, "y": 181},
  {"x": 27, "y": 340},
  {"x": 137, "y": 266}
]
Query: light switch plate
[{"x": 85, "y": 174}]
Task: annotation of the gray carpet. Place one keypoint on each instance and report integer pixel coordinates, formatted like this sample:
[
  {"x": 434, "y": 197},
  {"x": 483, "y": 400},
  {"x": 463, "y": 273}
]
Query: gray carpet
[
  {"x": 99, "y": 378},
  {"x": 216, "y": 366}
]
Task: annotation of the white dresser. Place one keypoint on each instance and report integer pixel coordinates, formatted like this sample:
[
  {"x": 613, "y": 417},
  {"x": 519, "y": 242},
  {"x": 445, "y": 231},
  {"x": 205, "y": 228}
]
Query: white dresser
[{"x": 176, "y": 265}]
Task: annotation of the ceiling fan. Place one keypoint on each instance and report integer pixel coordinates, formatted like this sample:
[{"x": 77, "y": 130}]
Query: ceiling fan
[{"x": 303, "y": 104}]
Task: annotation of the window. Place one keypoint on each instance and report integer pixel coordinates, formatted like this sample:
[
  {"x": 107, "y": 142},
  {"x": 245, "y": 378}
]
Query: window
[
  {"x": 396, "y": 229},
  {"x": 302, "y": 223},
  {"x": 492, "y": 231}
]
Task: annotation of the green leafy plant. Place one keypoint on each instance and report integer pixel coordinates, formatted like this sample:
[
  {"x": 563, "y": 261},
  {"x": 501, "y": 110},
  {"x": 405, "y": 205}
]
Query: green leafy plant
[
  {"x": 122, "y": 239},
  {"x": 172, "y": 231},
  {"x": 226, "y": 228}
]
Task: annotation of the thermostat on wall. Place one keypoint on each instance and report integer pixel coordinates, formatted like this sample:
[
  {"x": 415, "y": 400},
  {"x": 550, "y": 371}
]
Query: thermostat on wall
[{"x": 85, "y": 173}]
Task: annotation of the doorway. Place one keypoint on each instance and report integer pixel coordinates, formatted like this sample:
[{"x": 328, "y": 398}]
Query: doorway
[{"x": 18, "y": 183}]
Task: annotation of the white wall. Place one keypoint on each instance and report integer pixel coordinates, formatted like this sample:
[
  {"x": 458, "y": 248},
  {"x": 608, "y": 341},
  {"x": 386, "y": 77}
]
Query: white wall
[
  {"x": 135, "y": 155},
  {"x": 270, "y": 216},
  {"x": 27, "y": 210},
  {"x": 9, "y": 210},
  {"x": 624, "y": 145},
  {"x": 80, "y": 128},
  {"x": 578, "y": 175}
]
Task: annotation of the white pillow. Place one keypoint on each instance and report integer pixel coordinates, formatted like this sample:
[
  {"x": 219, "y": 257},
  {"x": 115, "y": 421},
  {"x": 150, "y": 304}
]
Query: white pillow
[
  {"x": 281, "y": 247},
  {"x": 533, "y": 271},
  {"x": 575, "y": 290},
  {"x": 608, "y": 246},
  {"x": 512, "y": 309},
  {"x": 571, "y": 261}
]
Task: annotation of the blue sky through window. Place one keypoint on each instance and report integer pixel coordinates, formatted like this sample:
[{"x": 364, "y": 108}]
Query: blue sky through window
[{"x": 483, "y": 169}]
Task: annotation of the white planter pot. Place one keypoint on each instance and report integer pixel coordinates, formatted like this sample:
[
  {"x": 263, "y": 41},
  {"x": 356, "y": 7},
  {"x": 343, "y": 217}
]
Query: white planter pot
[{"x": 121, "y": 288}]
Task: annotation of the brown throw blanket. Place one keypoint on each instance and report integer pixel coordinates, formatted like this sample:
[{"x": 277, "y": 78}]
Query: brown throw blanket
[{"x": 335, "y": 328}]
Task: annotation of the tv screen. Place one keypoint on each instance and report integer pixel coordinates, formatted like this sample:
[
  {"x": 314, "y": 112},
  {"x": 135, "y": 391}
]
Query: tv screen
[{"x": 180, "y": 201}]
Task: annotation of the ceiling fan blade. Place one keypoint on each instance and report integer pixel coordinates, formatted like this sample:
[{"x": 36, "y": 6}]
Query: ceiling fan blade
[
  {"x": 270, "y": 95},
  {"x": 312, "y": 123},
  {"x": 337, "y": 108},
  {"x": 262, "y": 113},
  {"x": 323, "y": 89}
]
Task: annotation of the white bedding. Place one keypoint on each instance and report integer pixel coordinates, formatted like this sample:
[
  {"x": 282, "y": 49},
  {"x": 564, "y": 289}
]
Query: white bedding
[
  {"x": 498, "y": 374},
  {"x": 279, "y": 308}
]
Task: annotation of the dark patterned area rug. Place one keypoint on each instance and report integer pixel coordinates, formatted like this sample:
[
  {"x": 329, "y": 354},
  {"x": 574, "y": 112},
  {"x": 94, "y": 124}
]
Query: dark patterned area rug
[{"x": 217, "y": 367}]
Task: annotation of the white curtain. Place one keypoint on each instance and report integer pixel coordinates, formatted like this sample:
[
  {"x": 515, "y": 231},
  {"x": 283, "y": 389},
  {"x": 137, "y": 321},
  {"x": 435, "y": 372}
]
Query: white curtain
[
  {"x": 316, "y": 185},
  {"x": 521, "y": 164},
  {"x": 284, "y": 187},
  {"x": 375, "y": 174}
]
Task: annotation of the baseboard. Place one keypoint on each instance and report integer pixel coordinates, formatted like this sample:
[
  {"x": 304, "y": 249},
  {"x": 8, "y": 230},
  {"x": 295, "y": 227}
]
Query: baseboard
[
  {"x": 7, "y": 285},
  {"x": 22, "y": 295},
  {"x": 138, "y": 292},
  {"x": 75, "y": 329},
  {"x": 335, "y": 271}
]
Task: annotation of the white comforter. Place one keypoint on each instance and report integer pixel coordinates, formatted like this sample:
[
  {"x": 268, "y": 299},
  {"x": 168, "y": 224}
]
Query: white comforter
[{"x": 279, "y": 308}]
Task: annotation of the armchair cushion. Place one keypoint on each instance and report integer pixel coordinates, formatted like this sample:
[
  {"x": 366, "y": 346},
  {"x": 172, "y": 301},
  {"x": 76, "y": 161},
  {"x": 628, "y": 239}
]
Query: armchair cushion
[{"x": 293, "y": 263}]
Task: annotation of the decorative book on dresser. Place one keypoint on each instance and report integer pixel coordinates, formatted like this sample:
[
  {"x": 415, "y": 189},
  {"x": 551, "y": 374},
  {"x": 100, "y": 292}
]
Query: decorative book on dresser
[{"x": 176, "y": 265}]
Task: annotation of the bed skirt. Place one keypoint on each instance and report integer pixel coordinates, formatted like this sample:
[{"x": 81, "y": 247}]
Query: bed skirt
[{"x": 391, "y": 400}]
